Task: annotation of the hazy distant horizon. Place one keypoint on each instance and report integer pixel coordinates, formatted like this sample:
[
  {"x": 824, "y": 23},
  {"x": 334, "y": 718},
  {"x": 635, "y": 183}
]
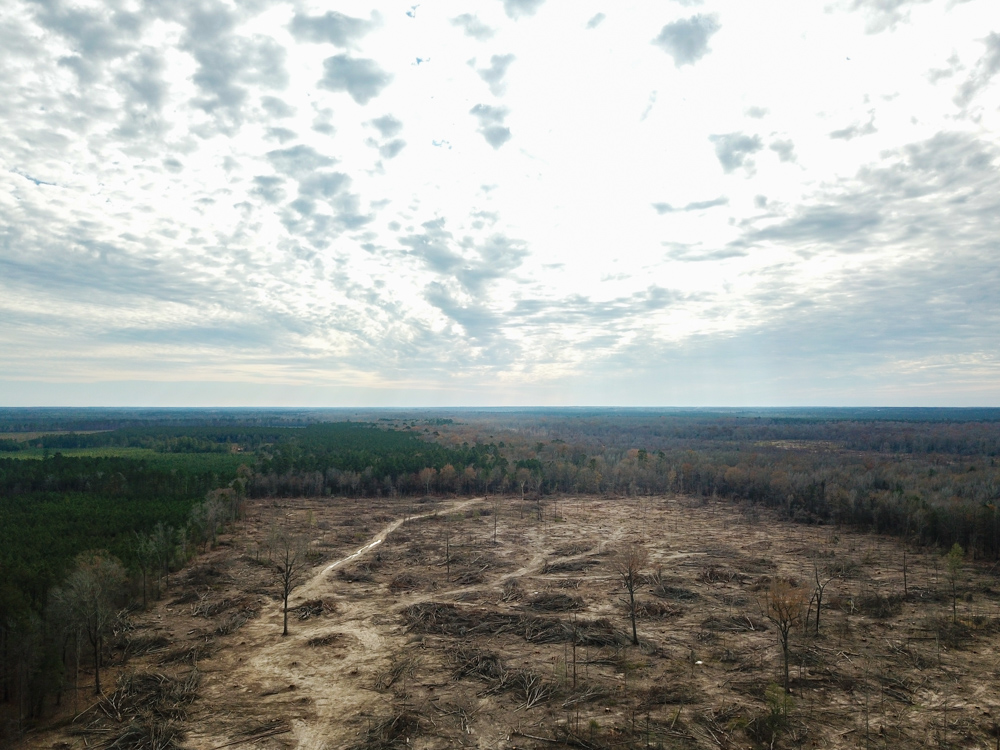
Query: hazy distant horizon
[{"x": 362, "y": 413}]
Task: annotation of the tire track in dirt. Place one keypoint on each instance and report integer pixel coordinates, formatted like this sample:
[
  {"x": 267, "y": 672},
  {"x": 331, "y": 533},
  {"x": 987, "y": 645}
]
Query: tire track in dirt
[{"x": 268, "y": 674}]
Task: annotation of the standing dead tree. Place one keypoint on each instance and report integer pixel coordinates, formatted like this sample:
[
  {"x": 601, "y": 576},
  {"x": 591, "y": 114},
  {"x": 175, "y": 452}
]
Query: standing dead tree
[
  {"x": 289, "y": 552},
  {"x": 783, "y": 605},
  {"x": 953, "y": 564},
  {"x": 497, "y": 507},
  {"x": 628, "y": 563},
  {"x": 817, "y": 597}
]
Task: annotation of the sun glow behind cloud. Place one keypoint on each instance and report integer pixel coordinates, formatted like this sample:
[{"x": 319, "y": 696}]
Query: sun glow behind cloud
[{"x": 536, "y": 203}]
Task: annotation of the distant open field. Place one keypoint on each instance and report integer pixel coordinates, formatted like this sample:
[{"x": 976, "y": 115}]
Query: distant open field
[
  {"x": 23, "y": 437},
  {"x": 115, "y": 451}
]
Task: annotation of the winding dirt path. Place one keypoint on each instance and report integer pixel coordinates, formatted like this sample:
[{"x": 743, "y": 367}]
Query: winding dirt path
[
  {"x": 311, "y": 588},
  {"x": 314, "y": 687}
]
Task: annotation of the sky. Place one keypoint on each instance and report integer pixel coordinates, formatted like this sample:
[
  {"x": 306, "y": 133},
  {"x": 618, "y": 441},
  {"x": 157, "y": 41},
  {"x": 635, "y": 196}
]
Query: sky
[{"x": 508, "y": 202}]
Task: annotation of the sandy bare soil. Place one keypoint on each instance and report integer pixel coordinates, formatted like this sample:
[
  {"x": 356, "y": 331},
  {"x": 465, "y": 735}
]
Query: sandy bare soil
[{"x": 414, "y": 629}]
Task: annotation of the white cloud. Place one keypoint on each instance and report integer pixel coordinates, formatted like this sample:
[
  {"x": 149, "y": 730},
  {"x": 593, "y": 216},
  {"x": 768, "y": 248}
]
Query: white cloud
[
  {"x": 687, "y": 40},
  {"x": 770, "y": 201}
]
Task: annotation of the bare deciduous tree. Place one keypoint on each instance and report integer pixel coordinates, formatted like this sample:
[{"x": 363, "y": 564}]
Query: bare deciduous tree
[
  {"x": 783, "y": 605},
  {"x": 818, "y": 595},
  {"x": 628, "y": 563},
  {"x": 953, "y": 563},
  {"x": 497, "y": 507},
  {"x": 289, "y": 552}
]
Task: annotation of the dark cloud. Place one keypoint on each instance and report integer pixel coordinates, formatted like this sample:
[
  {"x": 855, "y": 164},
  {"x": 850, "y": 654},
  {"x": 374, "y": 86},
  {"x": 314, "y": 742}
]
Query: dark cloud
[
  {"x": 269, "y": 188},
  {"x": 856, "y": 130},
  {"x": 332, "y": 27},
  {"x": 362, "y": 79},
  {"x": 94, "y": 36},
  {"x": 666, "y": 208},
  {"x": 388, "y": 126},
  {"x": 494, "y": 74},
  {"x": 298, "y": 160},
  {"x": 489, "y": 260},
  {"x": 482, "y": 218},
  {"x": 885, "y": 14},
  {"x": 491, "y": 124},
  {"x": 697, "y": 254},
  {"x": 596, "y": 20},
  {"x": 281, "y": 135},
  {"x": 986, "y": 68},
  {"x": 939, "y": 193},
  {"x": 611, "y": 316},
  {"x": 850, "y": 227},
  {"x": 701, "y": 205},
  {"x": 69, "y": 264},
  {"x": 687, "y": 40},
  {"x": 321, "y": 123},
  {"x": 323, "y": 184},
  {"x": 228, "y": 63},
  {"x": 391, "y": 149},
  {"x": 276, "y": 108},
  {"x": 784, "y": 148},
  {"x": 473, "y": 27},
  {"x": 143, "y": 91},
  {"x": 518, "y": 8},
  {"x": 735, "y": 150}
]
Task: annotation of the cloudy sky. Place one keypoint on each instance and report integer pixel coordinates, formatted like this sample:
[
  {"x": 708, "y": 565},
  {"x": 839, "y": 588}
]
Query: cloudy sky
[{"x": 504, "y": 202}]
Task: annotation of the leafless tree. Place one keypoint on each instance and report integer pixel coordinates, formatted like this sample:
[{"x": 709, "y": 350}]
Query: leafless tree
[
  {"x": 953, "y": 564},
  {"x": 818, "y": 596},
  {"x": 497, "y": 507},
  {"x": 628, "y": 563},
  {"x": 783, "y": 605},
  {"x": 289, "y": 552}
]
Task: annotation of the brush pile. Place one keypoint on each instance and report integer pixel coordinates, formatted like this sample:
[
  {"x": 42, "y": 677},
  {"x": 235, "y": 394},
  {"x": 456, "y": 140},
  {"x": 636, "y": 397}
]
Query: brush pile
[
  {"x": 248, "y": 610},
  {"x": 313, "y": 608},
  {"x": 449, "y": 619},
  {"x": 546, "y": 601},
  {"x": 143, "y": 713},
  {"x": 528, "y": 687},
  {"x": 394, "y": 731}
]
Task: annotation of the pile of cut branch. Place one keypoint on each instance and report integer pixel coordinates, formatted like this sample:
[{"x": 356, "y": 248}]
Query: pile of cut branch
[
  {"x": 402, "y": 665},
  {"x": 313, "y": 608},
  {"x": 148, "y": 644},
  {"x": 394, "y": 731},
  {"x": 143, "y": 712},
  {"x": 547, "y": 601},
  {"x": 208, "y": 608},
  {"x": 569, "y": 566},
  {"x": 248, "y": 611},
  {"x": 527, "y": 686},
  {"x": 448, "y": 619},
  {"x": 189, "y": 654}
]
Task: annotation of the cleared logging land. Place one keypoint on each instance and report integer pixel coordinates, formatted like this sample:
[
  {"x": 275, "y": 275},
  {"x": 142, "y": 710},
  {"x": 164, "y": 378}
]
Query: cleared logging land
[{"x": 503, "y": 623}]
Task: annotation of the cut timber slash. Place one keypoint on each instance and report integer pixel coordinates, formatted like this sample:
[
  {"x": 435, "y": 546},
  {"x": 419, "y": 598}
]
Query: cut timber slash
[{"x": 317, "y": 580}]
